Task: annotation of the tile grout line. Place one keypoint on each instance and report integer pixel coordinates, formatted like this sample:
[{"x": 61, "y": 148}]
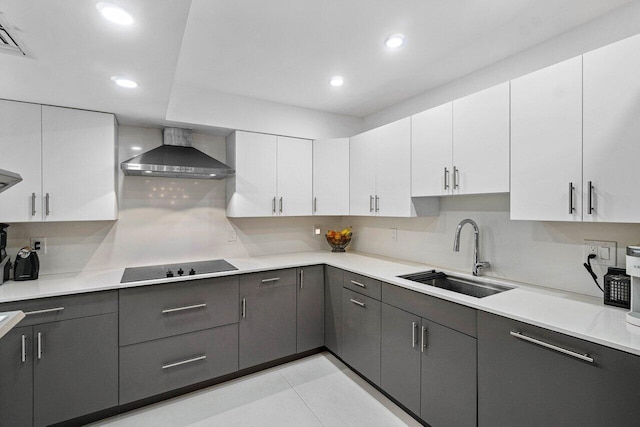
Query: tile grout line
[{"x": 303, "y": 401}]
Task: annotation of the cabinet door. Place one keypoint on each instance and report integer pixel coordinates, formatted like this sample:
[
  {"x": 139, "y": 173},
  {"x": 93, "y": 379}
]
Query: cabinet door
[
  {"x": 268, "y": 325},
  {"x": 481, "y": 142},
  {"x": 449, "y": 376},
  {"x": 78, "y": 165},
  {"x": 16, "y": 378},
  {"x": 310, "y": 308},
  {"x": 333, "y": 309},
  {"x": 546, "y": 144},
  {"x": 76, "y": 368},
  {"x": 21, "y": 145},
  {"x": 432, "y": 151},
  {"x": 361, "y": 334},
  {"x": 611, "y": 132},
  {"x": 393, "y": 169},
  {"x": 252, "y": 192},
  {"x": 521, "y": 383},
  {"x": 362, "y": 174},
  {"x": 331, "y": 176},
  {"x": 295, "y": 176},
  {"x": 400, "y": 356}
]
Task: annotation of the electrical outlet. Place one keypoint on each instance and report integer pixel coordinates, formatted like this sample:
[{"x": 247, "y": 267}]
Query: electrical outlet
[
  {"x": 394, "y": 234},
  {"x": 605, "y": 252},
  {"x": 233, "y": 236},
  {"x": 316, "y": 230},
  {"x": 38, "y": 244}
]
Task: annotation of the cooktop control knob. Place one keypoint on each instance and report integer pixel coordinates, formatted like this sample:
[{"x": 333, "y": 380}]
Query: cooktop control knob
[
  {"x": 180, "y": 272},
  {"x": 169, "y": 273},
  {"x": 192, "y": 272}
]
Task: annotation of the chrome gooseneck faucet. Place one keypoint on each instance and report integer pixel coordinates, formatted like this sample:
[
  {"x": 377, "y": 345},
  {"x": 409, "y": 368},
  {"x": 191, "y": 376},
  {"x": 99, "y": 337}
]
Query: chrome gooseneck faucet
[{"x": 477, "y": 265}]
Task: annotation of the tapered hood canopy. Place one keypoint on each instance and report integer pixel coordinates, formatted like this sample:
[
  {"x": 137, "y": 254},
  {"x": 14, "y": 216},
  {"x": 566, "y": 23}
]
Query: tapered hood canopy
[
  {"x": 176, "y": 158},
  {"x": 8, "y": 179}
]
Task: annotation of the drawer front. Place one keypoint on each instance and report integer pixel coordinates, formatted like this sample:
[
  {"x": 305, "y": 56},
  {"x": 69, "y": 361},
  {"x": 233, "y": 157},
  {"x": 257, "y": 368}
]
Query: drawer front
[
  {"x": 446, "y": 313},
  {"x": 362, "y": 284},
  {"x": 66, "y": 307},
  {"x": 152, "y": 312},
  {"x": 255, "y": 281},
  {"x": 162, "y": 365}
]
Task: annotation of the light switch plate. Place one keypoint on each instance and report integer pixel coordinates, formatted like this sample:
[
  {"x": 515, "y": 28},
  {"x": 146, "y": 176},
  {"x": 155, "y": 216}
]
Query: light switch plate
[{"x": 601, "y": 249}]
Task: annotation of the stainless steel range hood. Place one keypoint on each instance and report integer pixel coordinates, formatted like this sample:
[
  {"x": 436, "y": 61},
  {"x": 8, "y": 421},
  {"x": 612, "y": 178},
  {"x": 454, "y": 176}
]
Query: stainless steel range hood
[
  {"x": 8, "y": 179},
  {"x": 176, "y": 158}
]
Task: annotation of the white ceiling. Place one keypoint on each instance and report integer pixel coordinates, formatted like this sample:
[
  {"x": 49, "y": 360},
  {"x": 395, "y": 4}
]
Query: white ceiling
[{"x": 281, "y": 51}]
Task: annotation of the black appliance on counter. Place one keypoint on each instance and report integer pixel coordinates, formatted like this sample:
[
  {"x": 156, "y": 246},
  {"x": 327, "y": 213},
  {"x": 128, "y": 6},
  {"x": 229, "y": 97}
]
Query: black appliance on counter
[
  {"x": 27, "y": 265},
  {"x": 5, "y": 261}
]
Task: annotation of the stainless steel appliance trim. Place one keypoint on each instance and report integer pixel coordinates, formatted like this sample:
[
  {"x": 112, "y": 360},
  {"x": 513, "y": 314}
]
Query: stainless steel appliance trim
[
  {"x": 33, "y": 204},
  {"x": 46, "y": 310},
  {"x": 24, "y": 348},
  {"x": 39, "y": 345},
  {"x": 413, "y": 334},
  {"x": 48, "y": 210},
  {"x": 362, "y": 285},
  {"x": 184, "y": 362},
  {"x": 273, "y": 279},
  {"x": 585, "y": 357},
  {"x": 355, "y": 301},
  {"x": 188, "y": 307},
  {"x": 571, "y": 208},
  {"x": 424, "y": 339}
]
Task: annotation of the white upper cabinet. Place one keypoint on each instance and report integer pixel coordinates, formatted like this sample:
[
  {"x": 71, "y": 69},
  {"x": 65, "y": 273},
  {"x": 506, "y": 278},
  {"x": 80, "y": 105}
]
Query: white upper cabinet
[
  {"x": 481, "y": 142},
  {"x": 67, "y": 159},
  {"x": 431, "y": 151},
  {"x": 273, "y": 175},
  {"x": 362, "y": 173},
  {"x": 546, "y": 144},
  {"x": 20, "y": 152},
  {"x": 79, "y": 164},
  {"x": 612, "y": 132},
  {"x": 331, "y": 176}
]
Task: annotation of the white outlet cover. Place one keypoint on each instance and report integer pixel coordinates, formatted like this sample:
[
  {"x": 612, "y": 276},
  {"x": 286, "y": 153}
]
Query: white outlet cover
[{"x": 597, "y": 247}]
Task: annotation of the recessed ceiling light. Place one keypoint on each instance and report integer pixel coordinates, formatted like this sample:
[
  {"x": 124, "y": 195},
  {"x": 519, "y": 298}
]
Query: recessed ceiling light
[
  {"x": 124, "y": 82},
  {"x": 394, "y": 41},
  {"x": 336, "y": 81},
  {"x": 114, "y": 13}
]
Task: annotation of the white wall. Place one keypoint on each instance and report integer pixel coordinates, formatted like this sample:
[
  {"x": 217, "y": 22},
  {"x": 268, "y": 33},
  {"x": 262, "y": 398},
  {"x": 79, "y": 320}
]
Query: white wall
[{"x": 165, "y": 220}]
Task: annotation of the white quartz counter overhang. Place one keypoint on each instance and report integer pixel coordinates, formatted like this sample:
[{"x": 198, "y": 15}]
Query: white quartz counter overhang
[{"x": 572, "y": 314}]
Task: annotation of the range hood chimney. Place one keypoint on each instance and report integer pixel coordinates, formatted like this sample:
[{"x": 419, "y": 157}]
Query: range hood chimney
[
  {"x": 8, "y": 179},
  {"x": 176, "y": 158}
]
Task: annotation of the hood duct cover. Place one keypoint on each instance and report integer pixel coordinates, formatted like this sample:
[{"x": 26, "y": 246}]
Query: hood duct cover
[
  {"x": 8, "y": 179},
  {"x": 176, "y": 158}
]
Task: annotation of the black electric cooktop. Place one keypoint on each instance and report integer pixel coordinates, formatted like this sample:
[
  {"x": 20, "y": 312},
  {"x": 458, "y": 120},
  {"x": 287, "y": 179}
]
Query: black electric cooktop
[{"x": 151, "y": 272}]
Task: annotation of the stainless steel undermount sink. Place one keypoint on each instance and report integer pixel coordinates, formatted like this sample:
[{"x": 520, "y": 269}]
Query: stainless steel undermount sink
[{"x": 465, "y": 286}]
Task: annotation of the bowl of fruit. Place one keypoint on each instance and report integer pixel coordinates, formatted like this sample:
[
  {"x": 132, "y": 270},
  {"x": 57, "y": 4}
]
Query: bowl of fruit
[{"x": 339, "y": 240}]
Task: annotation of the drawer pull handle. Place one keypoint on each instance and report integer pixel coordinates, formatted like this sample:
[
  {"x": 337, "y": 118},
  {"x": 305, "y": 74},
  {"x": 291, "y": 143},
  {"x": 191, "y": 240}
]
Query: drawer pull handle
[
  {"x": 48, "y": 310},
  {"x": 585, "y": 357},
  {"x": 24, "y": 348},
  {"x": 244, "y": 308},
  {"x": 356, "y": 302},
  {"x": 424, "y": 339},
  {"x": 184, "y": 362},
  {"x": 414, "y": 326},
  {"x": 273, "y": 279},
  {"x": 301, "y": 278},
  {"x": 362, "y": 285},
  {"x": 39, "y": 345},
  {"x": 189, "y": 307}
]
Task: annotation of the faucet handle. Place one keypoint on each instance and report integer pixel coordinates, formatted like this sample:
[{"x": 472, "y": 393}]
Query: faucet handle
[{"x": 479, "y": 266}]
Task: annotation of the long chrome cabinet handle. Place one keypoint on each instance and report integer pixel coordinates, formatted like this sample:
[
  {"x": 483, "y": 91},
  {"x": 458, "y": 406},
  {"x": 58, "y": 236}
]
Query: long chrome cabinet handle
[
  {"x": 446, "y": 178},
  {"x": 356, "y": 302},
  {"x": 47, "y": 310},
  {"x": 273, "y": 205},
  {"x": 39, "y": 345},
  {"x": 280, "y": 204},
  {"x": 414, "y": 326},
  {"x": 273, "y": 279},
  {"x": 24, "y": 348},
  {"x": 585, "y": 357},
  {"x": 301, "y": 278},
  {"x": 591, "y": 209},
  {"x": 571, "y": 208},
  {"x": 33, "y": 204},
  {"x": 455, "y": 178},
  {"x": 362, "y": 285},
  {"x": 244, "y": 308},
  {"x": 424, "y": 339},
  {"x": 188, "y": 307},
  {"x": 315, "y": 204},
  {"x": 377, "y": 203},
  {"x": 47, "y": 211},
  {"x": 184, "y": 362},
  {"x": 370, "y": 203}
]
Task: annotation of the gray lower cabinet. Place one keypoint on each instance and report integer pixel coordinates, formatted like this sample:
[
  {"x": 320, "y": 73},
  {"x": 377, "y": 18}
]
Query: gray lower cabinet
[
  {"x": 158, "y": 366},
  {"x": 527, "y": 378},
  {"x": 333, "y": 279},
  {"x": 361, "y": 334},
  {"x": 16, "y": 378},
  {"x": 267, "y": 328},
  {"x": 310, "y": 308}
]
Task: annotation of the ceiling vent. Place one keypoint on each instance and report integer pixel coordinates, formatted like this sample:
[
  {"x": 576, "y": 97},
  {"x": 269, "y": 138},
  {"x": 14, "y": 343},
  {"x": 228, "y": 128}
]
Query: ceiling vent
[{"x": 9, "y": 43}]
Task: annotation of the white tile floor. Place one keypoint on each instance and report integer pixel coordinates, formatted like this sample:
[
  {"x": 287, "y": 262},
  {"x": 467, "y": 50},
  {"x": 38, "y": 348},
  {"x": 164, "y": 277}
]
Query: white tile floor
[{"x": 316, "y": 391}]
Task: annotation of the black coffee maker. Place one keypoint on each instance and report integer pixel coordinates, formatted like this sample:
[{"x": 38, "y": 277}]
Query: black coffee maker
[{"x": 5, "y": 262}]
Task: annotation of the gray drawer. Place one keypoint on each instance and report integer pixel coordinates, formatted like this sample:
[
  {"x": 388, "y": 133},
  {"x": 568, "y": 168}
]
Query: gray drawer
[
  {"x": 449, "y": 314},
  {"x": 255, "y": 281},
  {"x": 65, "y": 307},
  {"x": 162, "y": 365},
  {"x": 362, "y": 284},
  {"x": 152, "y": 312}
]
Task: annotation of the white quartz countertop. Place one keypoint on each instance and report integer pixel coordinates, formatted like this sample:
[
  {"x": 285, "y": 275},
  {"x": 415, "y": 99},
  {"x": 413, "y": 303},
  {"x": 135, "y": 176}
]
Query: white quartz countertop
[
  {"x": 572, "y": 314},
  {"x": 8, "y": 320}
]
